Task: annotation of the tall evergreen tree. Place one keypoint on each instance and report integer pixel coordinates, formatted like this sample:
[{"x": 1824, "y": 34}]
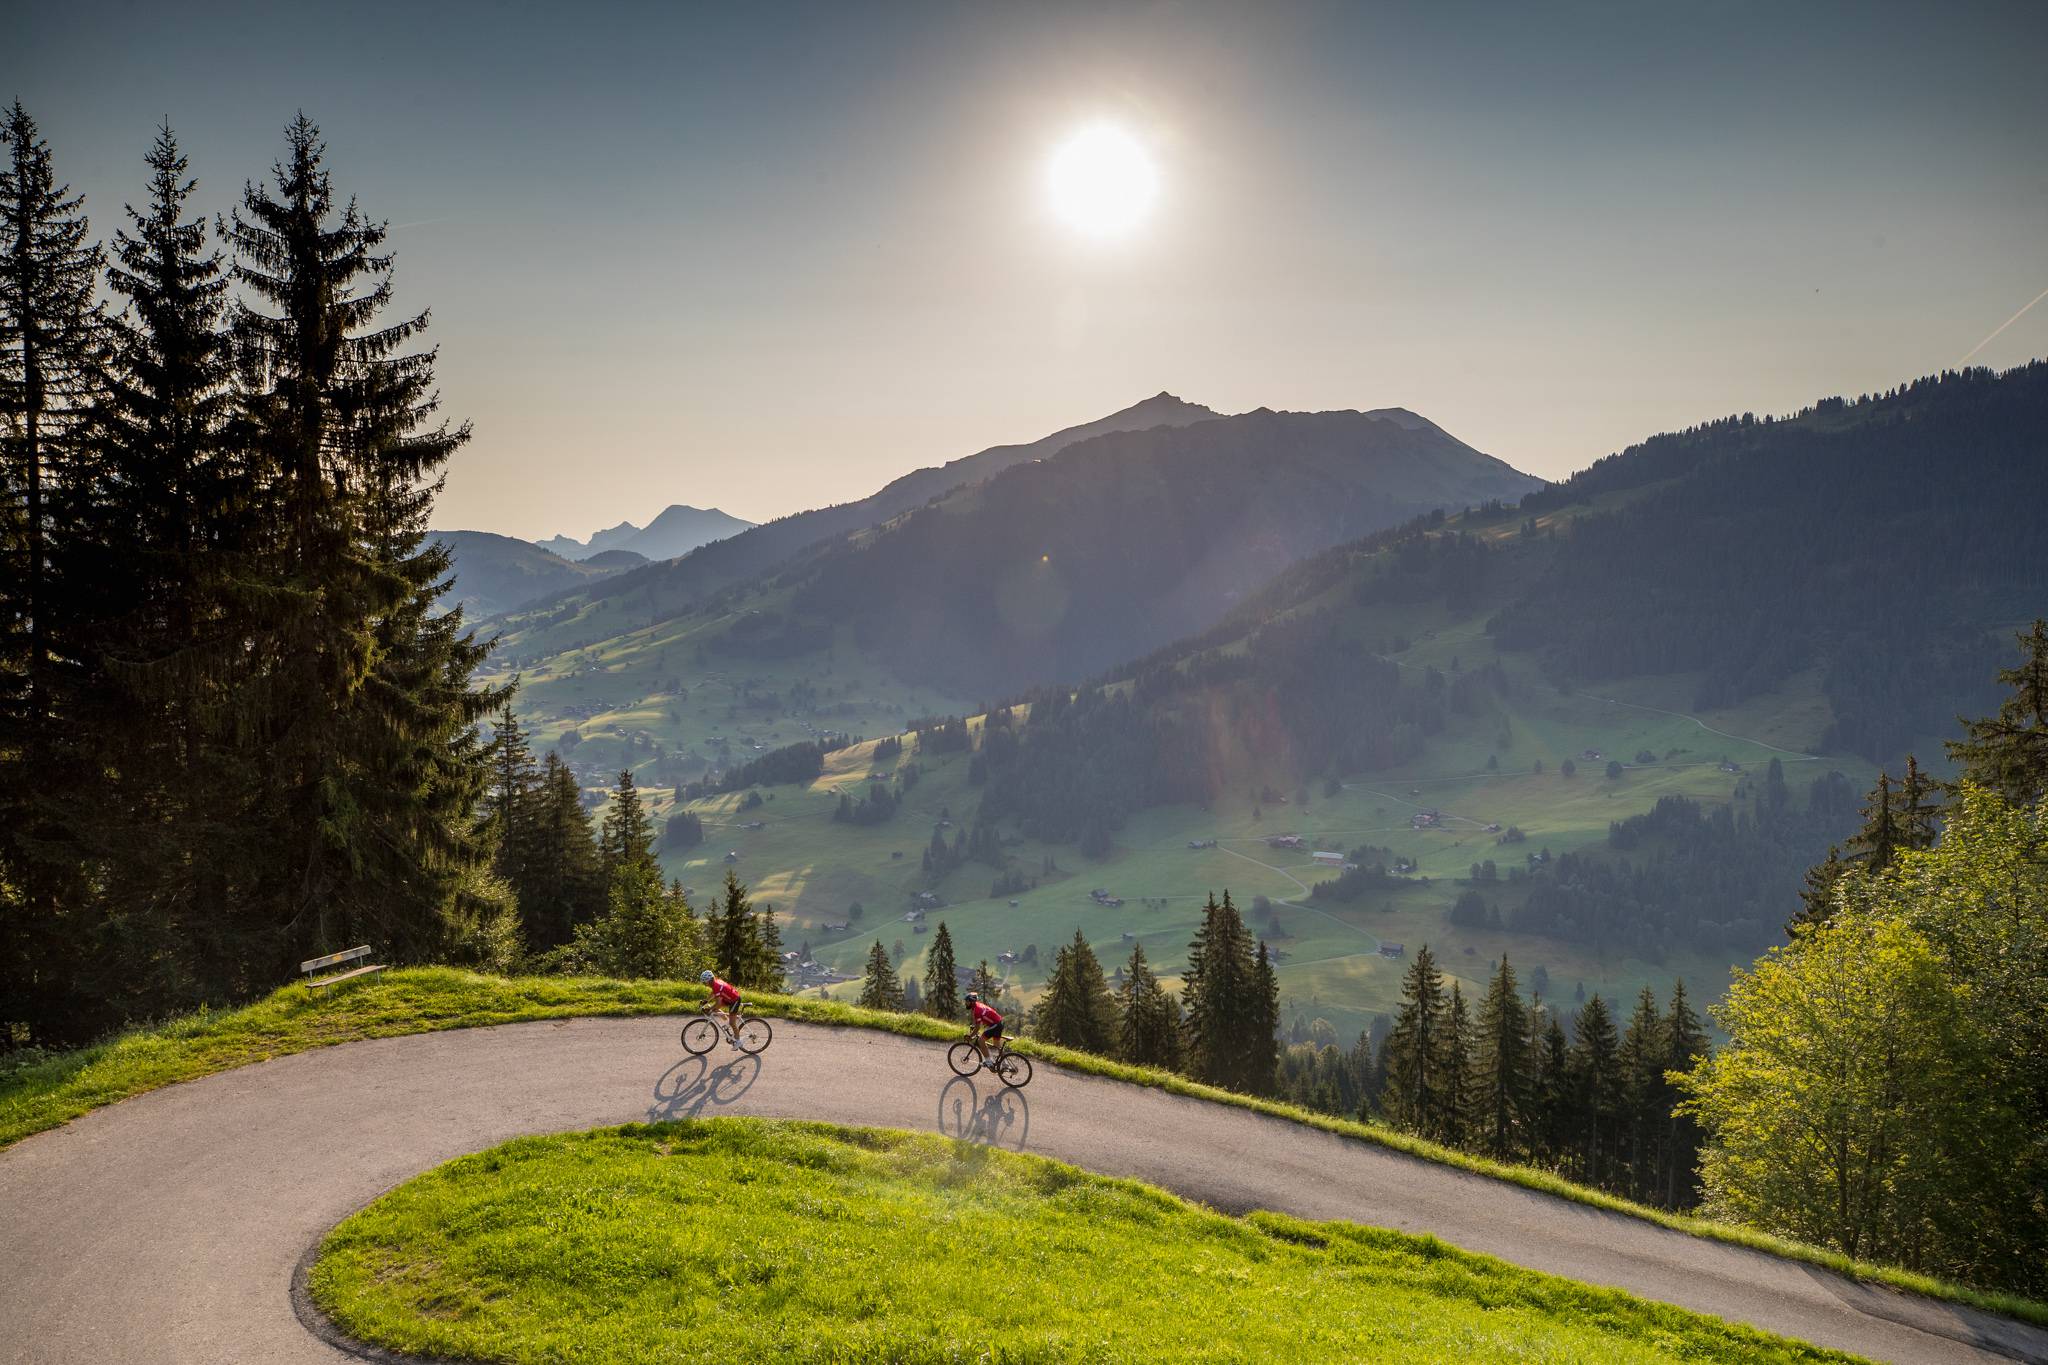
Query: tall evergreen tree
[
  {"x": 512, "y": 780},
  {"x": 49, "y": 373},
  {"x": 1414, "y": 1088},
  {"x": 941, "y": 977},
  {"x": 1261, "y": 1041},
  {"x": 627, "y": 835},
  {"x": 1148, "y": 1031},
  {"x": 1685, "y": 1043},
  {"x": 1077, "y": 1009},
  {"x": 1875, "y": 845},
  {"x": 2008, "y": 752},
  {"x": 1595, "y": 1090},
  {"x": 1643, "y": 1105},
  {"x": 746, "y": 947},
  {"x": 368, "y": 718},
  {"x": 646, "y": 931},
  {"x": 555, "y": 872},
  {"x": 881, "y": 990},
  {"x": 1500, "y": 1066},
  {"x": 1551, "y": 1129},
  {"x": 1454, "y": 1122},
  {"x": 1219, "y": 994}
]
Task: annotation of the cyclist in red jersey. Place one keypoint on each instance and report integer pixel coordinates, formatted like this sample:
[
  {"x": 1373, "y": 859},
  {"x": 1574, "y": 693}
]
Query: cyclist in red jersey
[
  {"x": 725, "y": 996},
  {"x": 984, "y": 1026}
]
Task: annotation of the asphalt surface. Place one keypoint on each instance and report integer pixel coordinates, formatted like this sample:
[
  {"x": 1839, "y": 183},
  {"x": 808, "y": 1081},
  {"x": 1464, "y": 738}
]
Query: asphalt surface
[{"x": 167, "y": 1228}]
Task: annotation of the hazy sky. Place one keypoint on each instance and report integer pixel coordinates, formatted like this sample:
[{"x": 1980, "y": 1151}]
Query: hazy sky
[{"x": 769, "y": 256}]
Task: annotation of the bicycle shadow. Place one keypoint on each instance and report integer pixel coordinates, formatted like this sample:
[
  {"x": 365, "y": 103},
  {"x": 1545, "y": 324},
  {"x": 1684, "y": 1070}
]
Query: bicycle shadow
[
  {"x": 999, "y": 1119},
  {"x": 686, "y": 1088}
]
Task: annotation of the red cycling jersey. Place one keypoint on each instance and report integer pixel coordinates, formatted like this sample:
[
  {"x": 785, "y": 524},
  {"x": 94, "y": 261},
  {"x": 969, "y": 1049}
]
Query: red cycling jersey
[
  {"x": 724, "y": 992},
  {"x": 983, "y": 1015}
]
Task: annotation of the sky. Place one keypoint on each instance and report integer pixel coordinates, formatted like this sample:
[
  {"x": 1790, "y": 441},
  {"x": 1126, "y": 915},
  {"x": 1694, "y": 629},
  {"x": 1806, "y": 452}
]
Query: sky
[{"x": 768, "y": 257}]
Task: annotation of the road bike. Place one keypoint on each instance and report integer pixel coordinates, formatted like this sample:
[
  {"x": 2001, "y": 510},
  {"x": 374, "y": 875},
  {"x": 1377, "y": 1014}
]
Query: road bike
[
  {"x": 701, "y": 1034},
  {"x": 1012, "y": 1068}
]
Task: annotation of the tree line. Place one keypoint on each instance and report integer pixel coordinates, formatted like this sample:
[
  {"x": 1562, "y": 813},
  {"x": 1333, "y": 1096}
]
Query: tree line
[{"x": 235, "y": 728}]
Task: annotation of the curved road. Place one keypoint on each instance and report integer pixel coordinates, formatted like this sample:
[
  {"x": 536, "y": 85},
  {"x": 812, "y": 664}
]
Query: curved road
[{"x": 167, "y": 1227}]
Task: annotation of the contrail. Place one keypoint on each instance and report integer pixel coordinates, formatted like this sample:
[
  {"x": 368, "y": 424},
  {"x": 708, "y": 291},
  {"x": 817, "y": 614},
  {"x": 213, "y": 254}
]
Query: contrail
[{"x": 2001, "y": 327}]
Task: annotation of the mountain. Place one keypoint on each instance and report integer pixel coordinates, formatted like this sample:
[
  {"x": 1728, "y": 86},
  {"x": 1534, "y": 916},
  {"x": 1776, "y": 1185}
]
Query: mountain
[
  {"x": 1058, "y": 568},
  {"x": 679, "y": 530},
  {"x": 495, "y": 573},
  {"x": 670, "y": 588},
  {"x": 612, "y": 538}
]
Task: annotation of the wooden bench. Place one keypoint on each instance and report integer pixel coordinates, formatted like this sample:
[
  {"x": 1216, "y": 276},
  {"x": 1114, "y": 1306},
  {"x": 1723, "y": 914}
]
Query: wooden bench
[{"x": 313, "y": 965}]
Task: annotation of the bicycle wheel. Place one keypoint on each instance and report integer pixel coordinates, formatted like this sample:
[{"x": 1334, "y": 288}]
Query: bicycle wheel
[
  {"x": 1014, "y": 1070},
  {"x": 699, "y": 1037},
  {"x": 755, "y": 1035},
  {"x": 964, "y": 1060}
]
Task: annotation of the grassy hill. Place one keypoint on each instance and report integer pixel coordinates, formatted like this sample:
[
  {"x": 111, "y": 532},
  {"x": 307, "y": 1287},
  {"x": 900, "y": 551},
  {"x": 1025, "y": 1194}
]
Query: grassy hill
[{"x": 629, "y": 1244}]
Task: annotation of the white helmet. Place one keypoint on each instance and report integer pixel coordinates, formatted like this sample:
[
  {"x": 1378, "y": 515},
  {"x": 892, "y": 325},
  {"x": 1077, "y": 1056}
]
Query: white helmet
[{"x": 705, "y": 976}]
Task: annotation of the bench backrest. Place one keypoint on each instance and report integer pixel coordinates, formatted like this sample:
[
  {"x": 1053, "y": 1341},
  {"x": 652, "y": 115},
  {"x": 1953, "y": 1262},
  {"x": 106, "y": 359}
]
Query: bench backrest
[{"x": 346, "y": 955}]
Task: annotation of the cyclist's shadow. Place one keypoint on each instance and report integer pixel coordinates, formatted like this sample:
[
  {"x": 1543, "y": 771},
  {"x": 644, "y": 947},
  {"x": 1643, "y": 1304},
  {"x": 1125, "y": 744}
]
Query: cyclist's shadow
[
  {"x": 999, "y": 1119},
  {"x": 692, "y": 1083}
]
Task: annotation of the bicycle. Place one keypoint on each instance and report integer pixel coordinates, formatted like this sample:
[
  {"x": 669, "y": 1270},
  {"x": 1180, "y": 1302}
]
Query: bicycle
[
  {"x": 701, "y": 1034},
  {"x": 1012, "y": 1068}
]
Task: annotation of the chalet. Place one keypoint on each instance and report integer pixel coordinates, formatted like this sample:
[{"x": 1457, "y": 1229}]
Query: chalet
[
  {"x": 835, "y": 926},
  {"x": 1590, "y": 755},
  {"x": 1013, "y": 905},
  {"x": 1006, "y": 958},
  {"x": 1427, "y": 819},
  {"x": 1285, "y": 841},
  {"x": 1201, "y": 843},
  {"x": 1493, "y": 829},
  {"x": 920, "y": 928},
  {"x": 1393, "y": 950},
  {"x": 1327, "y": 859},
  {"x": 732, "y": 855},
  {"x": 1128, "y": 936}
]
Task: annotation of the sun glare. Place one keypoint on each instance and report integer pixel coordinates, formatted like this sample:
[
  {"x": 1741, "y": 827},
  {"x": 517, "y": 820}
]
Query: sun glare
[{"x": 1102, "y": 181}]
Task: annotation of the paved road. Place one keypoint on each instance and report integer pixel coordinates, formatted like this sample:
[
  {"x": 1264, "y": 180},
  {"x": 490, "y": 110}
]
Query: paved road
[{"x": 166, "y": 1228}]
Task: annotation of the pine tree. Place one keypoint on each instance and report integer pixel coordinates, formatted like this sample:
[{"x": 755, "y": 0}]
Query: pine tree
[
  {"x": 1261, "y": 1041},
  {"x": 942, "y": 977},
  {"x": 986, "y": 984},
  {"x": 741, "y": 947},
  {"x": 1875, "y": 845},
  {"x": 1553, "y": 1124},
  {"x": 368, "y": 717},
  {"x": 1077, "y": 1009},
  {"x": 1413, "y": 1097},
  {"x": 1500, "y": 1072},
  {"x": 157, "y": 542},
  {"x": 1919, "y": 814},
  {"x": 1219, "y": 994},
  {"x": 880, "y": 990},
  {"x": 627, "y": 836},
  {"x": 49, "y": 372},
  {"x": 646, "y": 931},
  {"x": 555, "y": 871},
  {"x": 1640, "y": 1105},
  {"x": 50, "y": 340},
  {"x": 1454, "y": 1065},
  {"x": 1817, "y": 896},
  {"x": 512, "y": 779},
  {"x": 1148, "y": 1032},
  {"x": 2008, "y": 752},
  {"x": 1685, "y": 1042},
  {"x": 1595, "y": 1090}
]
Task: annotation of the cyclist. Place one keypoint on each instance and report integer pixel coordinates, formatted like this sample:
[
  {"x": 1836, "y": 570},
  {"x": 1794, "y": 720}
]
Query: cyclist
[
  {"x": 984, "y": 1026},
  {"x": 725, "y": 996}
]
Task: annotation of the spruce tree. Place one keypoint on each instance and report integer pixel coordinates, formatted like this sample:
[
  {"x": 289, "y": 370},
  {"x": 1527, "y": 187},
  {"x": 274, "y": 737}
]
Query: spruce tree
[
  {"x": 941, "y": 977},
  {"x": 49, "y": 372},
  {"x": 556, "y": 874},
  {"x": 1640, "y": 1106},
  {"x": 1500, "y": 1066},
  {"x": 1412, "y": 1097},
  {"x": 986, "y": 984},
  {"x": 646, "y": 931},
  {"x": 1454, "y": 1121},
  {"x": 1148, "y": 1031},
  {"x": 1595, "y": 1090},
  {"x": 512, "y": 781},
  {"x": 1817, "y": 896},
  {"x": 627, "y": 836},
  {"x": 1223, "y": 1011},
  {"x": 368, "y": 717},
  {"x": 2008, "y": 752},
  {"x": 880, "y": 991},
  {"x": 1077, "y": 1009},
  {"x": 1875, "y": 845},
  {"x": 739, "y": 951},
  {"x": 50, "y": 342},
  {"x": 1551, "y": 1139},
  {"x": 1261, "y": 1041},
  {"x": 1685, "y": 1043}
]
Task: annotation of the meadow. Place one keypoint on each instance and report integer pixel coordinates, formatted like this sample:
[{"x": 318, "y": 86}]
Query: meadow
[{"x": 629, "y": 1244}]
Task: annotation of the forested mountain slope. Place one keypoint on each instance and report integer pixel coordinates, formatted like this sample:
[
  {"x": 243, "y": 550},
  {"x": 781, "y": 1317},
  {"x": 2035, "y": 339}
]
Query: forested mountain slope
[{"x": 495, "y": 573}]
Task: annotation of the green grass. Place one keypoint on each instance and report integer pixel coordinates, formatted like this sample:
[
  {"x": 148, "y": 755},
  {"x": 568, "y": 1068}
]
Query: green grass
[
  {"x": 732, "y": 1238},
  {"x": 48, "y": 1091}
]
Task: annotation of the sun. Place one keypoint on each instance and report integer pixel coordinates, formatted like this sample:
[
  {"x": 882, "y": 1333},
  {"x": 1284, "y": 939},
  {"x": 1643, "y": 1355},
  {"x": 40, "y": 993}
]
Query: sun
[{"x": 1102, "y": 181}]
